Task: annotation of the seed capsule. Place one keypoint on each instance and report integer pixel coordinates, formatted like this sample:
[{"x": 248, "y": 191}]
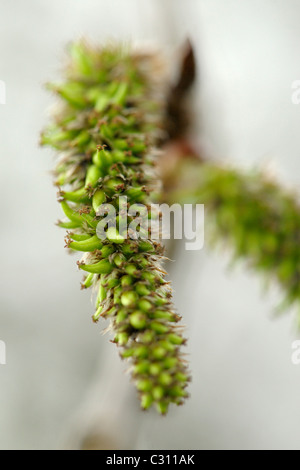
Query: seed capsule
[
  {"x": 88, "y": 281},
  {"x": 80, "y": 195},
  {"x": 144, "y": 385},
  {"x": 79, "y": 237},
  {"x": 92, "y": 176},
  {"x": 165, "y": 379},
  {"x": 102, "y": 267},
  {"x": 113, "y": 235},
  {"x": 138, "y": 320},
  {"x": 155, "y": 368},
  {"x": 129, "y": 299},
  {"x": 158, "y": 393},
  {"x": 122, "y": 338},
  {"x": 141, "y": 368},
  {"x": 98, "y": 199},
  {"x": 91, "y": 244},
  {"x": 175, "y": 339},
  {"x": 162, "y": 407},
  {"x": 68, "y": 225},
  {"x": 126, "y": 280},
  {"x": 146, "y": 401},
  {"x": 97, "y": 314},
  {"x": 132, "y": 270},
  {"x": 145, "y": 305},
  {"x": 159, "y": 328}
]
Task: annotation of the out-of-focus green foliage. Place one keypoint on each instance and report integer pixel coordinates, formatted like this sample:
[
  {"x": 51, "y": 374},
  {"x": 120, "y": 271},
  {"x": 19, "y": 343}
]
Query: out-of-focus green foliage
[{"x": 252, "y": 214}]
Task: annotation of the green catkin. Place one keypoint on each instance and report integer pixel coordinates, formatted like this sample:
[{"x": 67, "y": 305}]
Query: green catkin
[{"x": 106, "y": 129}]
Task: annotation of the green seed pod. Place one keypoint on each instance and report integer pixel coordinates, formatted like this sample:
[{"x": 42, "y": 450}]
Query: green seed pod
[
  {"x": 142, "y": 289},
  {"x": 106, "y": 251},
  {"x": 127, "y": 353},
  {"x": 165, "y": 379},
  {"x": 167, "y": 345},
  {"x": 113, "y": 281},
  {"x": 91, "y": 244},
  {"x": 159, "y": 352},
  {"x": 79, "y": 237},
  {"x": 73, "y": 92},
  {"x": 145, "y": 305},
  {"x": 120, "y": 96},
  {"x": 81, "y": 63},
  {"x": 138, "y": 320},
  {"x": 98, "y": 199},
  {"x": 121, "y": 316},
  {"x": 120, "y": 144},
  {"x": 161, "y": 314},
  {"x": 91, "y": 222},
  {"x": 146, "y": 401},
  {"x": 159, "y": 328},
  {"x": 106, "y": 132},
  {"x": 141, "y": 352},
  {"x": 102, "y": 292},
  {"x": 113, "y": 235},
  {"x": 181, "y": 377},
  {"x": 155, "y": 368},
  {"x": 146, "y": 246},
  {"x": 97, "y": 314},
  {"x": 102, "y": 103},
  {"x": 80, "y": 195},
  {"x": 158, "y": 393},
  {"x": 92, "y": 176},
  {"x": 102, "y": 267},
  {"x": 129, "y": 248},
  {"x": 122, "y": 338},
  {"x": 132, "y": 270},
  {"x": 117, "y": 295},
  {"x": 81, "y": 140},
  {"x": 129, "y": 299},
  {"x": 72, "y": 215},
  {"x": 102, "y": 159},
  {"x": 138, "y": 147},
  {"x": 147, "y": 337},
  {"x": 175, "y": 339},
  {"x": 141, "y": 368},
  {"x": 119, "y": 260},
  {"x": 88, "y": 281},
  {"x": 162, "y": 407},
  {"x": 177, "y": 391},
  {"x": 126, "y": 280},
  {"x": 170, "y": 362},
  {"x": 144, "y": 385},
  {"x": 68, "y": 225}
]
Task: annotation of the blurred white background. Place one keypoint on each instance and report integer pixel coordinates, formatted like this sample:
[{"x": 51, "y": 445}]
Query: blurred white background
[{"x": 63, "y": 379}]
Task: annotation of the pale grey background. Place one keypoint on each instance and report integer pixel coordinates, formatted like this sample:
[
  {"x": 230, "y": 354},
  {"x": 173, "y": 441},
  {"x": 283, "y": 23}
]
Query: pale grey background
[{"x": 245, "y": 391}]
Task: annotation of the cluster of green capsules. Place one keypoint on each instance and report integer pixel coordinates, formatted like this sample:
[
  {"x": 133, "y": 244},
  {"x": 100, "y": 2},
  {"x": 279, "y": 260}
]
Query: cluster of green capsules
[
  {"x": 106, "y": 129},
  {"x": 254, "y": 215}
]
